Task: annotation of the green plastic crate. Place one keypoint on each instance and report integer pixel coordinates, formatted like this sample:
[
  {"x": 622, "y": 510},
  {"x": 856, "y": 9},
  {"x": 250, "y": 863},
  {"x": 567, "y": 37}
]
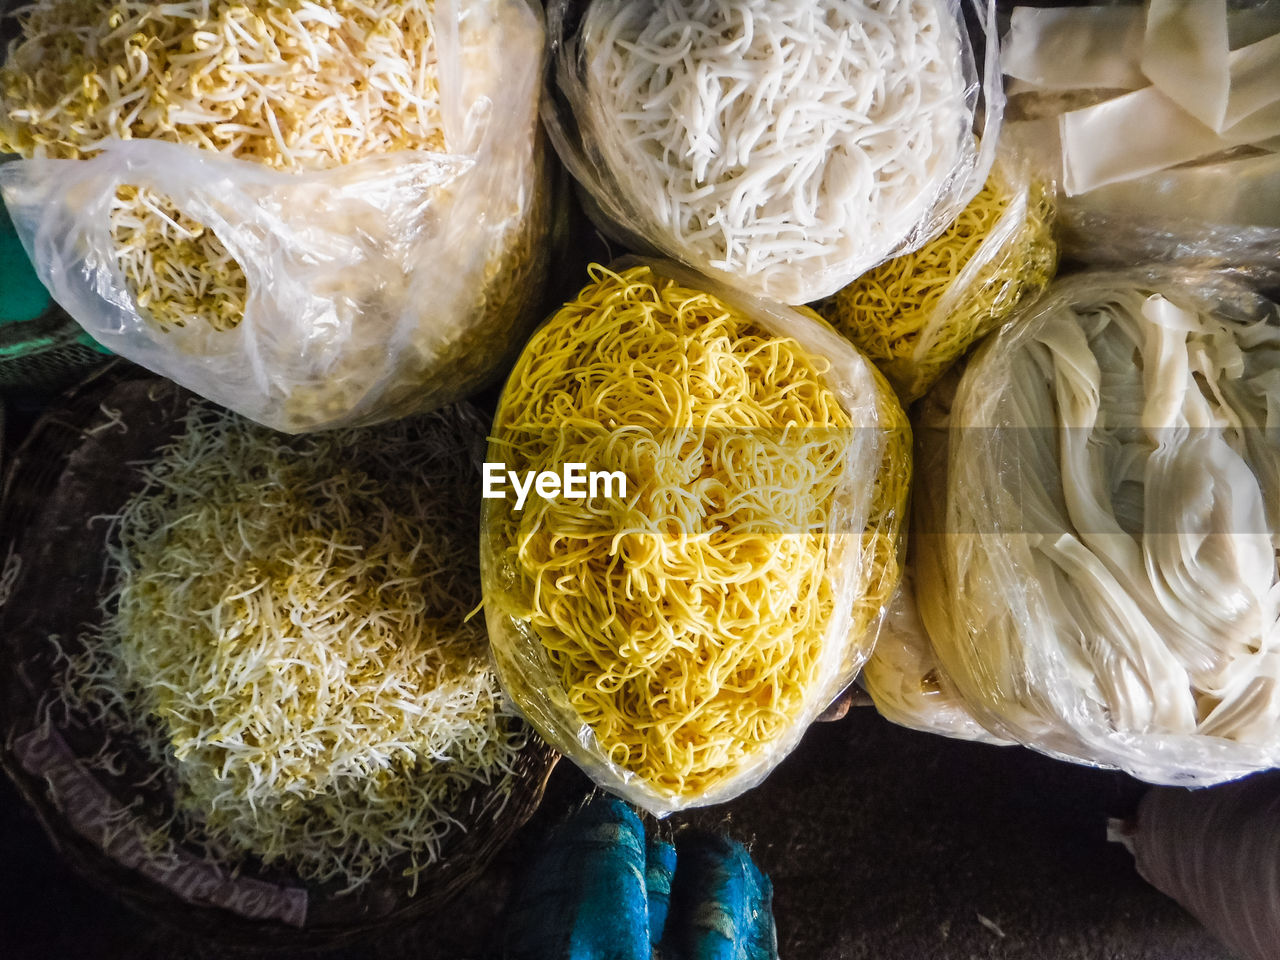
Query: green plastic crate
[{"x": 42, "y": 350}]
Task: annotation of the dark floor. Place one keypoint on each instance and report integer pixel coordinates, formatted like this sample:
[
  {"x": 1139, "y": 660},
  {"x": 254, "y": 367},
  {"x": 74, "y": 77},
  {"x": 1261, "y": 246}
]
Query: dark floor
[{"x": 881, "y": 842}]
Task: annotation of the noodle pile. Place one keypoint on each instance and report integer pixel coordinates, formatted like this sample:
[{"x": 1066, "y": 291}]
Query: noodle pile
[
  {"x": 783, "y": 145},
  {"x": 1099, "y": 549},
  {"x": 689, "y": 625},
  {"x": 918, "y": 313},
  {"x": 291, "y": 85},
  {"x": 287, "y": 642}
]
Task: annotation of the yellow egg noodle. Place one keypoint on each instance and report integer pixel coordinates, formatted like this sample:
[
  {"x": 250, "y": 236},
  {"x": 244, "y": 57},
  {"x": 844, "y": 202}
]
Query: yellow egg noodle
[
  {"x": 387, "y": 177},
  {"x": 686, "y": 625},
  {"x": 287, "y": 640},
  {"x": 917, "y": 314},
  {"x": 782, "y": 146},
  {"x": 1097, "y": 537}
]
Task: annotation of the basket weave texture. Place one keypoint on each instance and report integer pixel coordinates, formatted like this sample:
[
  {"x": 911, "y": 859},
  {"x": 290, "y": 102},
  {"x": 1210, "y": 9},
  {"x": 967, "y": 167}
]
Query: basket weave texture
[{"x": 79, "y": 462}]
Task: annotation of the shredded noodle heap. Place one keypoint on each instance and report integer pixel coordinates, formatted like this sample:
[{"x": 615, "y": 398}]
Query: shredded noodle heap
[
  {"x": 686, "y": 621},
  {"x": 917, "y": 314},
  {"x": 789, "y": 143},
  {"x": 291, "y": 84},
  {"x": 288, "y": 641}
]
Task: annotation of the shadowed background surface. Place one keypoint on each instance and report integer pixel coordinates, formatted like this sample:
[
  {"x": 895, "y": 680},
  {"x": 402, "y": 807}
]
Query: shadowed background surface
[{"x": 881, "y": 842}]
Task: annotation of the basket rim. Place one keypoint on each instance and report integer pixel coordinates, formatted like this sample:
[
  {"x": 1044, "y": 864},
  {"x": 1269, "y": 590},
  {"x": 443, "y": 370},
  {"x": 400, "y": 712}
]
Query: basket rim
[{"x": 40, "y": 465}]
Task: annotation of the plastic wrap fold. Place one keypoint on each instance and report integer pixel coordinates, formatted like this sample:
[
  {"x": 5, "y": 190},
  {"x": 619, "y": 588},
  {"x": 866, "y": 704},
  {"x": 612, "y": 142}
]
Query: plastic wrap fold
[
  {"x": 719, "y": 584},
  {"x": 707, "y": 132},
  {"x": 1161, "y": 123},
  {"x": 380, "y": 287},
  {"x": 1096, "y": 530},
  {"x": 917, "y": 314}
]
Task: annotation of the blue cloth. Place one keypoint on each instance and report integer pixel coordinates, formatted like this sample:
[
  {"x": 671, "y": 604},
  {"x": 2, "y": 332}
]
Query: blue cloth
[
  {"x": 721, "y": 904},
  {"x": 596, "y": 892},
  {"x": 660, "y": 868},
  {"x": 584, "y": 897}
]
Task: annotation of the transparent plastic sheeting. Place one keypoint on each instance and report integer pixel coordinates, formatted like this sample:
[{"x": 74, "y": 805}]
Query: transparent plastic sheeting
[
  {"x": 1097, "y": 529},
  {"x": 915, "y": 315},
  {"x": 1216, "y": 852},
  {"x": 906, "y": 682},
  {"x": 862, "y": 538},
  {"x": 705, "y": 130},
  {"x": 1162, "y": 125},
  {"x": 387, "y": 286}
]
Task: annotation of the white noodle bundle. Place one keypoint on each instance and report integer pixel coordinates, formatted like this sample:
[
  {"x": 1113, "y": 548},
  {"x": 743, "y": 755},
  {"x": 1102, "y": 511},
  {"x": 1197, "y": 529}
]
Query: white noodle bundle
[
  {"x": 1097, "y": 559},
  {"x": 787, "y": 145}
]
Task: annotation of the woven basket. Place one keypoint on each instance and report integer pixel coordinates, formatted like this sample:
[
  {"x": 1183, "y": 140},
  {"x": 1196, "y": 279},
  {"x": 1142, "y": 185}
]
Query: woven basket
[{"x": 78, "y": 463}]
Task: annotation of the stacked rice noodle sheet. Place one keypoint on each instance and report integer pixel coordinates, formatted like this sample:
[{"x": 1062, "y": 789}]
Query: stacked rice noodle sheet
[
  {"x": 1097, "y": 531},
  {"x": 1162, "y": 123}
]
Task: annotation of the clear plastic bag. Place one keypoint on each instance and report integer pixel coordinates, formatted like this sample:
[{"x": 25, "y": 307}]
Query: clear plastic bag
[
  {"x": 917, "y": 314},
  {"x": 786, "y": 177},
  {"x": 384, "y": 286},
  {"x": 907, "y": 684},
  {"x": 1160, "y": 125},
  {"x": 655, "y": 551},
  {"x": 1096, "y": 533}
]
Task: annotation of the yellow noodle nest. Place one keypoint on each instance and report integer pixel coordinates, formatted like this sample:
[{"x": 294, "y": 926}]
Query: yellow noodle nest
[
  {"x": 685, "y": 622},
  {"x": 908, "y": 315},
  {"x": 290, "y": 84}
]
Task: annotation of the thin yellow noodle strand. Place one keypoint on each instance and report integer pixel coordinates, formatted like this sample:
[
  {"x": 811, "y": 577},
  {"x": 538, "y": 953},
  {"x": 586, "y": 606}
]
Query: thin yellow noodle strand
[{"x": 685, "y": 622}]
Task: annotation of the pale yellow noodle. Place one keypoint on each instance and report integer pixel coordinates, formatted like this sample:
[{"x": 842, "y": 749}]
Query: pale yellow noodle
[{"x": 892, "y": 312}]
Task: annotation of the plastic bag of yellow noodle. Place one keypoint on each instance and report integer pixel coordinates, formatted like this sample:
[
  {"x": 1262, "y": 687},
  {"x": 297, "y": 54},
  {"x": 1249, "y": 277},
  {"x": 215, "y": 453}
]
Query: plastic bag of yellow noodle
[
  {"x": 692, "y": 531},
  {"x": 781, "y": 146},
  {"x": 1097, "y": 529},
  {"x": 319, "y": 214},
  {"x": 917, "y": 314}
]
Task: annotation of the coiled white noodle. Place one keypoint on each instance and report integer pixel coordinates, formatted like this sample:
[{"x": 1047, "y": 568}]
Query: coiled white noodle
[
  {"x": 794, "y": 143},
  {"x": 1098, "y": 569}
]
